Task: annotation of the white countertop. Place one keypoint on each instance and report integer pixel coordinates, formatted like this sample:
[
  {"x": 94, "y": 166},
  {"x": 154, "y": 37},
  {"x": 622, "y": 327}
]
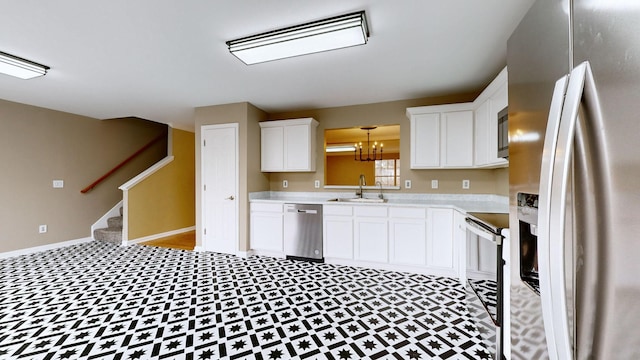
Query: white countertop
[{"x": 485, "y": 203}]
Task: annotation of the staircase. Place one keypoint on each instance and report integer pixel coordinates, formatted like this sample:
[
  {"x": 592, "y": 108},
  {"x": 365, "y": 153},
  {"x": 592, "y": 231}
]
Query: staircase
[{"x": 112, "y": 233}]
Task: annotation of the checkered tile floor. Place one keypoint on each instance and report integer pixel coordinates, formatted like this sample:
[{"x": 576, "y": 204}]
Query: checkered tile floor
[{"x": 102, "y": 301}]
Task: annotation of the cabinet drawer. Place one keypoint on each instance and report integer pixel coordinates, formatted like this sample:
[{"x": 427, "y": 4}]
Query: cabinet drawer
[
  {"x": 266, "y": 207},
  {"x": 371, "y": 211},
  {"x": 337, "y": 210},
  {"x": 407, "y": 213}
]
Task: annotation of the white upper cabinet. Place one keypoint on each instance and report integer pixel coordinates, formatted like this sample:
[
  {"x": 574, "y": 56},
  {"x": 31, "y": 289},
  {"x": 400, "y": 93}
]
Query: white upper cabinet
[
  {"x": 457, "y": 133},
  {"x": 288, "y": 145},
  {"x": 459, "y": 136},
  {"x": 488, "y": 104},
  {"x": 425, "y": 140},
  {"x": 441, "y": 136}
]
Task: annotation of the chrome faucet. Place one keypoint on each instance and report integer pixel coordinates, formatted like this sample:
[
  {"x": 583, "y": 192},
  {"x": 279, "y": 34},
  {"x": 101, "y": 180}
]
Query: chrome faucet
[
  {"x": 378, "y": 183},
  {"x": 361, "y": 182}
]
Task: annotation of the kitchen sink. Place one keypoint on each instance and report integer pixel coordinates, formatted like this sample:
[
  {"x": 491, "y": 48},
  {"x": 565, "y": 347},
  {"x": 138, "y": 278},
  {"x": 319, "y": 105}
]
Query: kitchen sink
[{"x": 359, "y": 200}]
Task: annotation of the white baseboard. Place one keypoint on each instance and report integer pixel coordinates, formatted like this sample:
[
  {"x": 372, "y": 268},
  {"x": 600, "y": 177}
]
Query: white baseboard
[
  {"x": 240, "y": 254},
  {"x": 159, "y": 236},
  {"x": 31, "y": 250}
]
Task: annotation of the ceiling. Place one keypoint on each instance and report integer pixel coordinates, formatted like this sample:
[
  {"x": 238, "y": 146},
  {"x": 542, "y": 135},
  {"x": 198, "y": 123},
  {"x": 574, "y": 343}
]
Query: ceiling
[{"x": 160, "y": 59}]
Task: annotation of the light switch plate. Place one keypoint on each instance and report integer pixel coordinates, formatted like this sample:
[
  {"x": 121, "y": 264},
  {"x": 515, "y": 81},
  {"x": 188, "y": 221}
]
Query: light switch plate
[
  {"x": 434, "y": 184},
  {"x": 407, "y": 184},
  {"x": 316, "y": 184},
  {"x": 465, "y": 184},
  {"x": 58, "y": 184},
  {"x": 285, "y": 184}
]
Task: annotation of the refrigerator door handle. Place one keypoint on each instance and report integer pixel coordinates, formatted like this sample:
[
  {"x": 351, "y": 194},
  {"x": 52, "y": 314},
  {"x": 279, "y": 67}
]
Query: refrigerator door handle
[
  {"x": 580, "y": 80},
  {"x": 544, "y": 204}
]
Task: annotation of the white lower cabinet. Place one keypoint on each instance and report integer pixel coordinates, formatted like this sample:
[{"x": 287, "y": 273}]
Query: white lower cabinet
[
  {"x": 440, "y": 240},
  {"x": 402, "y": 238},
  {"x": 371, "y": 234},
  {"x": 407, "y": 236},
  {"x": 420, "y": 239},
  {"x": 338, "y": 232},
  {"x": 266, "y": 227}
]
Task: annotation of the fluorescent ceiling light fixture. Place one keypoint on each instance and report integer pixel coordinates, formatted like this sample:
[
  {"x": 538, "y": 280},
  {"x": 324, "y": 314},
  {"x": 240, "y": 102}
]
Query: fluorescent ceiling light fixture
[
  {"x": 322, "y": 35},
  {"x": 340, "y": 148},
  {"x": 19, "y": 67}
]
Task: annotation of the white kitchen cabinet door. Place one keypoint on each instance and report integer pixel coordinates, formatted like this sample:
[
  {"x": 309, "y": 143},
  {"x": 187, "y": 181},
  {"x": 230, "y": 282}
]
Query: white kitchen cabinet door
[
  {"x": 407, "y": 236},
  {"x": 288, "y": 145},
  {"x": 337, "y": 231},
  {"x": 457, "y": 134},
  {"x": 297, "y": 148},
  {"x": 371, "y": 239},
  {"x": 338, "y": 237},
  {"x": 272, "y": 149},
  {"x": 481, "y": 135},
  {"x": 425, "y": 141},
  {"x": 407, "y": 241},
  {"x": 266, "y": 227},
  {"x": 440, "y": 244}
]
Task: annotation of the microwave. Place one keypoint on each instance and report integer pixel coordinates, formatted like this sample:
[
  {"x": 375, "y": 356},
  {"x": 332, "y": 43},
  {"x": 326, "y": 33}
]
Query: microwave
[{"x": 503, "y": 133}]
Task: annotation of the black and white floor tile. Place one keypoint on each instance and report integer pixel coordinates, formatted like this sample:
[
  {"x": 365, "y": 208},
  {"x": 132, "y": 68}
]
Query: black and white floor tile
[
  {"x": 487, "y": 292},
  {"x": 102, "y": 301}
]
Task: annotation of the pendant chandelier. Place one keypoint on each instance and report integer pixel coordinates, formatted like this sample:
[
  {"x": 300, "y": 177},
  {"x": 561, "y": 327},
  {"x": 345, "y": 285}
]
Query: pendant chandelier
[{"x": 371, "y": 151}]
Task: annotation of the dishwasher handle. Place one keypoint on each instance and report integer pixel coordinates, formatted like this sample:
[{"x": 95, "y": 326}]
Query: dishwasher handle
[{"x": 301, "y": 211}]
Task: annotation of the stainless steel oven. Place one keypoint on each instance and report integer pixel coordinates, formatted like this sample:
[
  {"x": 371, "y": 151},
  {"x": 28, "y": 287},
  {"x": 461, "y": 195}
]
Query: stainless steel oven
[{"x": 484, "y": 276}]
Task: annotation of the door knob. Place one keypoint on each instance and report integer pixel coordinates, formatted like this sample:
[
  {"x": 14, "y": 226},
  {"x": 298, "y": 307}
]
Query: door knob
[{"x": 230, "y": 198}]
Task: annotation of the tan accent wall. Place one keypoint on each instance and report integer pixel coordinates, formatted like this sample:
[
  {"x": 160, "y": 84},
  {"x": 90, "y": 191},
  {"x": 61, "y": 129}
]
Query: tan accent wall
[
  {"x": 489, "y": 181},
  {"x": 166, "y": 200},
  {"x": 251, "y": 178},
  {"x": 38, "y": 146}
]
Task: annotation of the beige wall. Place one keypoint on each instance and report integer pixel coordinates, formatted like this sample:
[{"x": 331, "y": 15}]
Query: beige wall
[
  {"x": 165, "y": 201},
  {"x": 251, "y": 179},
  {"x": 39, "y": 145},
  {"x": 488, "y": 181}
]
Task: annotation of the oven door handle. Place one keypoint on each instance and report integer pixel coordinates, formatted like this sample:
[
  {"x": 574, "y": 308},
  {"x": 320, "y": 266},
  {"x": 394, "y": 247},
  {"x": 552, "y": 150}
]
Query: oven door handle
[{"x": 481, "y": 230}]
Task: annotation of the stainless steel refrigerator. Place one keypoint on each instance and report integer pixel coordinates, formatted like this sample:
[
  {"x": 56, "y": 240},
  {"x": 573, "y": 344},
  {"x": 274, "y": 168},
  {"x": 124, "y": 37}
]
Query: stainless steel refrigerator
[{"x": 574, "y": 158}]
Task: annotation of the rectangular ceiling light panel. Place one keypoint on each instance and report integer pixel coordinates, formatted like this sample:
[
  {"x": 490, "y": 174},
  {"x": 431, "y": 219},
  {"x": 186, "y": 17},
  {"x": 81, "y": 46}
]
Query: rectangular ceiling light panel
[
  {"x": 21, "y": 68},
  {"x": 330, "y": 34},
  {"x": 340, "y": 148}
]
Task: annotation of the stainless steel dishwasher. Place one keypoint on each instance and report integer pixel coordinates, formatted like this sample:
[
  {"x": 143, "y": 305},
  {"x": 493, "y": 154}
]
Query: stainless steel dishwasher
[{"x": 303, "y": 232}]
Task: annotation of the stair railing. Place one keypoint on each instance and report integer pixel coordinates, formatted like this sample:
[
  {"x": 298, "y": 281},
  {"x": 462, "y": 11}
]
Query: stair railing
[{"x": 123, "y": 163}]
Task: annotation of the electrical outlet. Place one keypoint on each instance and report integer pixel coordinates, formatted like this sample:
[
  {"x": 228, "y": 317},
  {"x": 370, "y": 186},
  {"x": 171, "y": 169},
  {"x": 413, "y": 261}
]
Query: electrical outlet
[
  {"x": 407, "y": 184},
  {"x": 285, "y": 184},
  {"x": 465, "y": 184},
  {"x": 434, "y": 184},
  {"x": 316, "y": 184},
  {"x": 42, "y": 229},
  {"x": 58, "y": 184}
]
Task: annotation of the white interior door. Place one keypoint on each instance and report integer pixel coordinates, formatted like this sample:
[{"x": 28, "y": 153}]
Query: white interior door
[{"x": 220, "y": 187}]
